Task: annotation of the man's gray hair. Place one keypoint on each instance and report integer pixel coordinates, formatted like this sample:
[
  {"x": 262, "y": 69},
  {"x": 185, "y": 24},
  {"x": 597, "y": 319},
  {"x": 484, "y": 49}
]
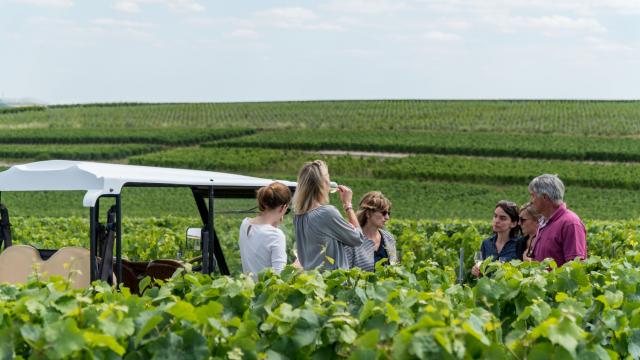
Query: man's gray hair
[{"x": 548, "y": 184}]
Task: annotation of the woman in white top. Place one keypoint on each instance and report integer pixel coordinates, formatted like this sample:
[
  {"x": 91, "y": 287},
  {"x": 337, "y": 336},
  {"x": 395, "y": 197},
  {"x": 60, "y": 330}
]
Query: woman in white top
[{"x": 262, "y": 244}]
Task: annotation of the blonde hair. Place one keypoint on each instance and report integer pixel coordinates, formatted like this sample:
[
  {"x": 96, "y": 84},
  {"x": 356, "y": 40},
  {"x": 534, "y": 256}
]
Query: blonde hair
[
  {"x": 273, "y": 196},
  {"x": 531, "y": 210},
  {"x": 371, "y": 202},
  {"x": 311, "y": 186}
]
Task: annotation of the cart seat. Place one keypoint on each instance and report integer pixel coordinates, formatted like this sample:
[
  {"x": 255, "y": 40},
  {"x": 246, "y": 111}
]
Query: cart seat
[{"x": 17, "y": 262}]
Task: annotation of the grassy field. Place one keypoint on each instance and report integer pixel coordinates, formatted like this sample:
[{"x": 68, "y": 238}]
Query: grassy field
[
  {"x": 498, "y": 171},
  {"x": 521, "y": 116},
  {"x": 499, "y": 144},
  {"x": 464, "y": 155}
]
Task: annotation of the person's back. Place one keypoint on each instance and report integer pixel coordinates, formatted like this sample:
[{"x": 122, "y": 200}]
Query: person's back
[
  {"x": 261, "y": 246},
  {"x": 321, "y": 235},
  {"x": 321, "y": 232}
]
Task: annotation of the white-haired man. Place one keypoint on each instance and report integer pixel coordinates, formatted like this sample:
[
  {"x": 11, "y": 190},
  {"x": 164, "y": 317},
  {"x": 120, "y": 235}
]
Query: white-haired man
[{"x": 561, "y": 235}]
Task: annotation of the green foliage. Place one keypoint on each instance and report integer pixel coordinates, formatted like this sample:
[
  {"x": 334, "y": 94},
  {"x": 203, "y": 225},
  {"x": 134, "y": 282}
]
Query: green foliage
[
  {"x": 416, "y": 310},
  {"x": 400, "y": 312},
  {"x": 75, "y": 152},
  {"x": 440, "y": 241},
  {"x": 20, "y": 109},
  {"x": 545, "y": 146},
  {"x": 163, "y": 136},
  {"x": 516, "y": 116},
  {"x": 417, "y": 167}
]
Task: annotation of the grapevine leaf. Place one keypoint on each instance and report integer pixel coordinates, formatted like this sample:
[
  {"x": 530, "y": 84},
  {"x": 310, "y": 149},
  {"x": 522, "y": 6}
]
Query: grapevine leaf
[
  {"x": 147, "y": 321},
  {"x": 634, "y": 344},
  {"x": 65, "y": 337},
  {"x": 102, "y": 340},
  {"x": 183, "y": 310}
]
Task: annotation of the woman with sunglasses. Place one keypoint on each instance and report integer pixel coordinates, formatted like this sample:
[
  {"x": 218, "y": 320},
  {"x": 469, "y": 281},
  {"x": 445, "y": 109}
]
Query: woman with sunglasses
[
  {"x": 503, "y": 244},
  {"x": 321, "y": 233},
  {"x": 262, "y": 244},
  {"x": 373, "y": 213},
  {"x": 529, "y": 218}
]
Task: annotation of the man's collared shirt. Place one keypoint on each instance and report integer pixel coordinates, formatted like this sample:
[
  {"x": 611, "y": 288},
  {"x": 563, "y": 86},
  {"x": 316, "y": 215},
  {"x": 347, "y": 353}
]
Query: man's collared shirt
[{"x": 562, "y": 237}]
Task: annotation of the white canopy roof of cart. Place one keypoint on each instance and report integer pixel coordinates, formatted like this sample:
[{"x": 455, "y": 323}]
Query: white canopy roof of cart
[{"x": 103, "y": 178}]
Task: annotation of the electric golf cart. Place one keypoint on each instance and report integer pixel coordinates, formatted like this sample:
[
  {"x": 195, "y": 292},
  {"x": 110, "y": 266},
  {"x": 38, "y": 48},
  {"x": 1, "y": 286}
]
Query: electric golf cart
[{"x": 104, "y": 180}]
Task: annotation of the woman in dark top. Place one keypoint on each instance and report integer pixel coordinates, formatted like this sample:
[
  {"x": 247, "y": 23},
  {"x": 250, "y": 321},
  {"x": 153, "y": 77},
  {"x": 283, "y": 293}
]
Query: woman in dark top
[
  {"x": 502, "y": 245},
  {"x": 529, "y": 219}
]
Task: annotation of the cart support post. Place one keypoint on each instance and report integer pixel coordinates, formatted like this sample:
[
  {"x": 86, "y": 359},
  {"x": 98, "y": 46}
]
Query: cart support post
[
  {"x": 211, "y": 234},
  {"x": 92, "y": 244},
  {"x": 118, "y": 240}
]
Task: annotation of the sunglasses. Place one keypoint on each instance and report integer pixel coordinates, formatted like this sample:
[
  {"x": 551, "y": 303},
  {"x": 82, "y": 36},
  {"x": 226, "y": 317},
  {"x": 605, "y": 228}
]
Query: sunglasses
[{"x": 385, "y": 212}]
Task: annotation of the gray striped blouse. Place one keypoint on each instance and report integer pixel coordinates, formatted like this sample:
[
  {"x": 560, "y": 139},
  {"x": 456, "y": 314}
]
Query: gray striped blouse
[{"x": 362, "y": 256}]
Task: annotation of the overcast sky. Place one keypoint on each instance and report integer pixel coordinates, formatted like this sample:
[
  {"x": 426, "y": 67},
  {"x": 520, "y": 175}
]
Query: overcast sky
[{"x": 70, "y": 51}]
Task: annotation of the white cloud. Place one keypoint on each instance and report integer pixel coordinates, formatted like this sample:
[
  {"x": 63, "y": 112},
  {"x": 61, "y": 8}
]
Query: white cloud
[
  {"x": 135, "y": 6},
  {"x": 43, "y": 20},
  {"x": 127, "y": 6},
  {"x": 552, "y": 25},
  {"x": 324, "y": 27},
  {"x": 455, "y": 24},
  {"x": 367, "y": 6},
  {"x": 603, "y": 45},
  {"x": 622, "y": 6},
  {"x": 359, "y": 53},
  {"x": 579, "y": 8},
  {"x": 185, "y": 5},
  {"x": 122, "y": 23},
  {"x": 130, "y": 29},
  {"x": 294, "y": 18},
  {"x": 245, "y": 34},
  {"x": 442, "y": 36},
  {"x": 47, "y": 3},
  {"x": 287, "y": 17}
]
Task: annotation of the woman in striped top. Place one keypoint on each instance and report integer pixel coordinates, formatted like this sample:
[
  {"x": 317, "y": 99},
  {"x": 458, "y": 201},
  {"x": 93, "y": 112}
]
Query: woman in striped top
[{"x": 373, "y": 213}]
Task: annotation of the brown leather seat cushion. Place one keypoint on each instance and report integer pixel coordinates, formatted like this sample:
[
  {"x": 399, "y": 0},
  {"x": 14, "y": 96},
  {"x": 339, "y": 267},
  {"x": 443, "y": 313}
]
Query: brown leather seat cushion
[{"x": 163, "y": 268}]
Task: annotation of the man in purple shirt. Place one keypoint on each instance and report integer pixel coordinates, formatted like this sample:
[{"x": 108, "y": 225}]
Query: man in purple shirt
[{"x": 561, "y": 235}]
